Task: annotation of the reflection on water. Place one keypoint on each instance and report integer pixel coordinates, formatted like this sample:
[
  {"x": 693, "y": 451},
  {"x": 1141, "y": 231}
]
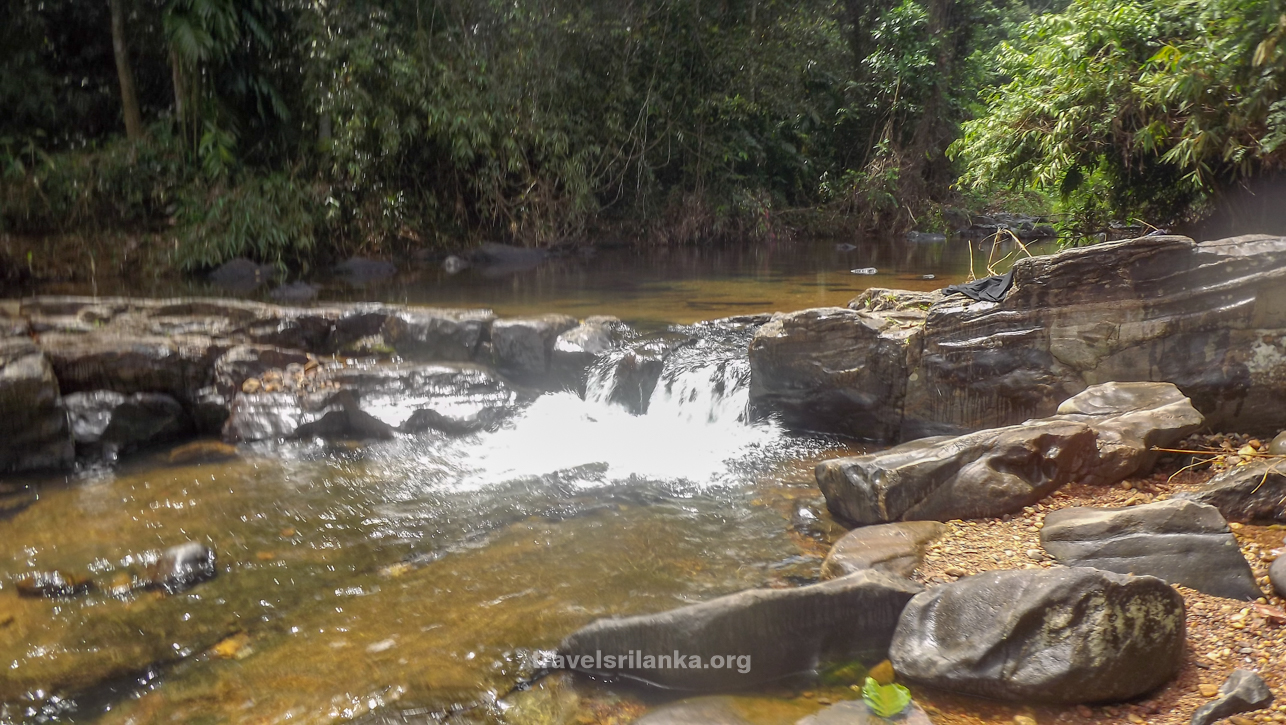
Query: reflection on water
[
  {"x": 654, "y": 287},
  {"x": 411, "y": 580}
]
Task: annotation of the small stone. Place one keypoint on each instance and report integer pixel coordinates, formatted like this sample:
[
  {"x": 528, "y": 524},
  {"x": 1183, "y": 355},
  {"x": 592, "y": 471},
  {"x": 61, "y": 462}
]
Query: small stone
[
  {"x": 52, "y": 585},
  {"x": 1135, "y": 719},
  {"x": 1035, "y": 554},
  {"x": 1024, "y": 720},
  {"x": 251, "y": 386},
  {"x": 1208, "y": 690},
  {"x": 954, "y": 571},
  {"x": 1084, "y": 711}
]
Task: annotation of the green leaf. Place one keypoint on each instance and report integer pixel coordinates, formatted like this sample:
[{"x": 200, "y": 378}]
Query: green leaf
[{"x": 885, "y": 700}]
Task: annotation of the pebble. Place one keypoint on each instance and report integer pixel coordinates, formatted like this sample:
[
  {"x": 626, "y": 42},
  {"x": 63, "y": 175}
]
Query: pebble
[
  {"x": 1208, "y": 690},
  {"x": 954, "y": 571},
  {"x": 1084, "y": 711},
  {"x": 1035, "y": 554}
]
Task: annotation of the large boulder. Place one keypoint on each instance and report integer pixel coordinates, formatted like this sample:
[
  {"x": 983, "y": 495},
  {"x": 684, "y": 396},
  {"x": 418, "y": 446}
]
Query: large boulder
[
  {"x": 1253, "y": 492},
  {"x": 1178, "y": 541},
  {"x": 1062, "y": 636},
  {"x": 425, "y": 334},
  {"x": 895, "y": 548},
  {"x": 1130, "y": 419},
  {"x": 34, "y": 432},
  {"x": 106, "y": 423},
  {"x": 979, "y": 475},
  {"x": 772, "y": 633},
  {"x": 836, "y": 369},
  {"x": 1208, "y": 317}
]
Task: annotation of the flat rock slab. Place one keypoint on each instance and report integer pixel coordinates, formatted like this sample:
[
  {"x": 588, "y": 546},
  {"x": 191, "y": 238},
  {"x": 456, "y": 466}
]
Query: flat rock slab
[
  {"x": 1243, "y": 691},
  {"x": 1061, "y": 636},
  {"x": 1253, "y": 492},
  {"x": 856, "y": 712},
  {"x": 895, "y": 548},
  {"x": 1130, "y": 419},
  {"x": 978, "y": 475},
  {"x": 1178, "y": 541},
  {"x": 779, "y": 632}
]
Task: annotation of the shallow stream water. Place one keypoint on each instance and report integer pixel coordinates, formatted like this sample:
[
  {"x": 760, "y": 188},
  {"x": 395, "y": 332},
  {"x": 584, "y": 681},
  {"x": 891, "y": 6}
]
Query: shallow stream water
[{"x": 420, "y": 579}]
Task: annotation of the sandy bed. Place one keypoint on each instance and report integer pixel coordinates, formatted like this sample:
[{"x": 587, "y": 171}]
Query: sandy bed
[{"x": 1223, "y": 634}]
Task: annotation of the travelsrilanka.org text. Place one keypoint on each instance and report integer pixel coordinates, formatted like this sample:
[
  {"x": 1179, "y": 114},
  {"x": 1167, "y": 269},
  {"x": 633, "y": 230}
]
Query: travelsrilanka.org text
[{"x": 636, "y": 660}]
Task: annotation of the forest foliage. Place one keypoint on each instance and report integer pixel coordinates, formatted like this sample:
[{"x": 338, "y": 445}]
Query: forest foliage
[{"x": 285, "y": 129}]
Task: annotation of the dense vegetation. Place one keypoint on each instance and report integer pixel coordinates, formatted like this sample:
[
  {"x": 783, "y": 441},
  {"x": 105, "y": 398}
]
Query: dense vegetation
[{"x": 285, "y": 129}]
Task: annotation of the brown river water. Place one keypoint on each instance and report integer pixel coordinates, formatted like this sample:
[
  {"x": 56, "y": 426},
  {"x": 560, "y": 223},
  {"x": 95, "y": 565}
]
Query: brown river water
[{"x": 421, "y": 579}]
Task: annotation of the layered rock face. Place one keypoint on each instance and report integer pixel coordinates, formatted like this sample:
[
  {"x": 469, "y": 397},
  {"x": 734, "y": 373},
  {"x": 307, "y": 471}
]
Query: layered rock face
[
  {"x": 1208, "y": 317},
  {"x": 137, "y": 372}
]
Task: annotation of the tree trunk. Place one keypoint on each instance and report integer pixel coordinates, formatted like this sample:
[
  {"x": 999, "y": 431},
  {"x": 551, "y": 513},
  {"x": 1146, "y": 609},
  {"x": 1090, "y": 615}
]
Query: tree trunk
[
  {"x": 129, "y": 96},
  {"x": 180, "y": 91}
]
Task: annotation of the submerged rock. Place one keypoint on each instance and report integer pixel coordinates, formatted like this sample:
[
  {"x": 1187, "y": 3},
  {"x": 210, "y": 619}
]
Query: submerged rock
[
  {"x": 202, "y": 452},
  {"x": 1178, "y": 541},
  {"x": 893, "y": 548},
  {"x": 1253, "y": 492},
  {"x": 856, "y": 712},
  {"x": 52, "y": 585},
  {"x": 1060, "y": 636},
  {"x": 34, "y": 433},
  {"x": 979, "y": 475},
  {"x": 779, "y": 632},
  {"x": 181, "y": 567},
  {"x": 1243, "y": 691}
]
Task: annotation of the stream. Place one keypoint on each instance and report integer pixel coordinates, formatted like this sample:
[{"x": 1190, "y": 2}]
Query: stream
[{"x": 422, "y": 579}]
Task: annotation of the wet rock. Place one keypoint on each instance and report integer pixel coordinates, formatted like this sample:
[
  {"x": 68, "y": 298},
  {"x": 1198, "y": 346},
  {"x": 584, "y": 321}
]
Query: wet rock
[
  {"x": 780, "y": 631},
  {"x": 893, "y": 548},
  {"x": 202, "y": 452},
  {"x": 341, "y": 418},
  {"x": 1277, "y": 575},
  {"x": 979, "y": 475},
  {"x": 580, "y": 347},
  {"x": 436, "y": 334},
  {"x": 1062, "y": 636},
  {"x": 52, "y": 585},
  {"x": 1253, "y": 492},
  {"x": 263, "y": 416},
  {"x": 1243, "y": 691},
  {"x": 330, "y": 414},
  {"x": 242, "y": 275},
  {"x": 1130, "y": 419},
  {"x": 358, "y": 328},
  {"x": 856, "y": 712},
  {"x": 295, "y": 292},
  {"x": 181, "y": 567},
  {"x": 462, "y": 395},
  {"x": 1178, "y": 541},
  {"x": 178, "y": 365},
  {"x": 107, "y": 423},
  {"x": 454, "y": 264},
  {"x": 836, "y": 369},
  {"x": 234, "y": 367},
  {"x": 429, "y": 419},
  {"x": 629, "y": 378},
  {"x": 523, "y": 346},
  {"x": 359, "y": 270},
  {"x": 34, "y": 432}
]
